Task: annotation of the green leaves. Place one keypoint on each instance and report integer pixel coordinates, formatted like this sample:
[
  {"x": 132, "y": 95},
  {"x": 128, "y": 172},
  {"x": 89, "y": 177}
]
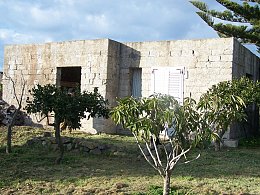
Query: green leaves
[
  {"x": 248, "y": 14},
  {"x": 226, "y": 102},
  {"x": 69, "y": 107},
  {"x": 148, "y": 116}
]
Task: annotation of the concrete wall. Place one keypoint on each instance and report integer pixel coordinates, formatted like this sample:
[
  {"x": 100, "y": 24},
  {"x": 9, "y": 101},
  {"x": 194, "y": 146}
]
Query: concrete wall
[
  {"x": 38, "y": 64},
  {"x": 107, "y": 64},
  {"x": 245, "y": 64},
  {"x": 206, "y": 62}
]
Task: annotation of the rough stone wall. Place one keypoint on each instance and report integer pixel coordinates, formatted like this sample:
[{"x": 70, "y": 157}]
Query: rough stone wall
[
  {"x": 245, "y": 64},
  {"x": 206, "y": 62},
  {"x": 109, "y": 78},
  {"x": 38, "y": 64},
  {"x": 108, "y": 64}
]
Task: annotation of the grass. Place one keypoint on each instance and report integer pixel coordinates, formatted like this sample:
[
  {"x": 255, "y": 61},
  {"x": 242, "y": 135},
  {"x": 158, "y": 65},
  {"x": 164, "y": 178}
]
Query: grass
[{"x": 32, "y": 170}]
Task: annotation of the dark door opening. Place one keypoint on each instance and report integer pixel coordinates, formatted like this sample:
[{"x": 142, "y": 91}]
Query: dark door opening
[{"x": 69, "y": 77}]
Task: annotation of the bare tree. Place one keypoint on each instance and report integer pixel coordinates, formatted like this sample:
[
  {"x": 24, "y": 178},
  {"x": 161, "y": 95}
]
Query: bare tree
[{"x": 19, "y": 100}]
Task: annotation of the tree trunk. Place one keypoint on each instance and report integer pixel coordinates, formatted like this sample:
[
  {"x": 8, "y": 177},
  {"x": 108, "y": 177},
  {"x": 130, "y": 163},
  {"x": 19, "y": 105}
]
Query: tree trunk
[
  {"x": 59, "y": 141},
  {"x": 9, "y": 139},
  {"x": 166, "y": 185},
  {"x": 9, "y": 132}
]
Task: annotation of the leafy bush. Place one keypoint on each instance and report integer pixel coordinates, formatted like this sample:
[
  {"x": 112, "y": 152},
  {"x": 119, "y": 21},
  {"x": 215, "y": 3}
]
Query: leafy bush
[{"x": 249, "y": 142}]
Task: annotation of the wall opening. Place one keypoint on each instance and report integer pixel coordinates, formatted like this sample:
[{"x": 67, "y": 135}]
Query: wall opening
[
  {"x": 136, "y": 82},
  {"x": 68, "y": 77}
]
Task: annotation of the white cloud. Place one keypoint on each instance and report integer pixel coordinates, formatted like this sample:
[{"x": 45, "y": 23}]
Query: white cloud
[{"x": 36, "y": 21}]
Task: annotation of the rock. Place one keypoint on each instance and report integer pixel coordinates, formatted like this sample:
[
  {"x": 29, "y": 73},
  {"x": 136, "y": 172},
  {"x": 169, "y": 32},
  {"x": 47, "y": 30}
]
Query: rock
[
  {"x": 112, "y": 149},
  {"x": 95, "y": 151},
  {"x": 52, "y": 140},
  {"x": 69, "y": 146},
  {"x": 89, "y": 145},
  {"x": 47, "y": 134},
  {"x": 66, "y": 140},
  {"x": 33, "y": 141},
  {"x": 120, "y": 185},
  {"x": 44, "y": 143},
  {"x": 76, "y": 145},
  {"x": 54, "y": 147},
  {"x": 84, "y": 149},
  {"x": 102, "y": 147}
]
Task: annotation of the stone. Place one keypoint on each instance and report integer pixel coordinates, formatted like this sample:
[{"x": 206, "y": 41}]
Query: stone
[
  {"x": 47, "y": 134},
  {"x": 88, "y": 144},
  {"x": 52, "y": 140},
  {"x": 95, "y": 151},
  {"x": 44, "y": 143},
  {"x": 231, "y": 143},
  {"x": 84, "y": 149},
  {"x": 120, "y": 185},
  {"x": 66, "y": 140},
  {"x": 33, "y": 141},
  {"x": 69, "y": 146},
  {"x": 54, "y": 147},
  {"x": 102, "y": 147}
]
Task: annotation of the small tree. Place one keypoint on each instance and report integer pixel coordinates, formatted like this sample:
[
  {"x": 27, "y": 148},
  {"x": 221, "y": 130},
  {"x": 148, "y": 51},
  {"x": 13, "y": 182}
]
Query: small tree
[
  {"x": 147, "y": 117},
  {"x": 19, "y": 99},
  {"x": 225, "y": 103},
  {"x": 66, "y": 107}
]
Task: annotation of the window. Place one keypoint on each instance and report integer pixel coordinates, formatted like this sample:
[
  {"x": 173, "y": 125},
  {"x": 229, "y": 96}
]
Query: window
[
  {"x": 168, "y": 81},
  {"x": 68, "y": 77},
  {"x": 136, "y": 82}
]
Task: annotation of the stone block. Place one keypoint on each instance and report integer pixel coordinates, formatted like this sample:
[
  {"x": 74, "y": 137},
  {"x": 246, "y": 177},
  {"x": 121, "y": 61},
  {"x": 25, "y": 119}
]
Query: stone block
[
  {"x": 231, "y": 143},
  {"x": 226, "y": 58}
]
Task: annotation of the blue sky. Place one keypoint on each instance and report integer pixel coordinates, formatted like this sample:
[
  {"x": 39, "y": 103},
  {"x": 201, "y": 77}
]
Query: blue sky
[{"x": 39, "y": 21}]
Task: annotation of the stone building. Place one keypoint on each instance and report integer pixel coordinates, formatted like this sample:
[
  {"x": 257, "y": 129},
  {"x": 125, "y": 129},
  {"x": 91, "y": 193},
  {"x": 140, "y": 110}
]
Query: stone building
[{"x": 179, "y": 68}]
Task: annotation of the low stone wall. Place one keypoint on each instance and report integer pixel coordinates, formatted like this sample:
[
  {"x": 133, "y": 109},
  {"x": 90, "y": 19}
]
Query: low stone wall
[{"x": 73, "y": 144}]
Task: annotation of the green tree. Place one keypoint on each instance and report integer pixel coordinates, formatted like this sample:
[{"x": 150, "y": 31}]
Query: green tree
[
  {"x": 147, "y": 117},
  {"x": 66, "y": 107},
  {"x": 239, "y": 20},
  {"x": 226, "y": 102}
]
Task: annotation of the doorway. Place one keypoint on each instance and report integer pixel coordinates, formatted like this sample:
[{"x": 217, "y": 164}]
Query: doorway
[{"x": 68, "y": 77}]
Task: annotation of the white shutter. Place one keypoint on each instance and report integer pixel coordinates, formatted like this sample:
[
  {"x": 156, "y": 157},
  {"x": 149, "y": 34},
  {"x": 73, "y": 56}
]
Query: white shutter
[
  {"x": 175, "y": 84},
  {"x": 160, "y": 81},
  {"x": 168, "y": 81}
]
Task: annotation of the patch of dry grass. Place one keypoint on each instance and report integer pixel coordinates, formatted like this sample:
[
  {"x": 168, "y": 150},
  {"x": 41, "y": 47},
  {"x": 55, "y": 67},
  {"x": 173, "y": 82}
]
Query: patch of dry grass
[{"x": 32, "y": 170}]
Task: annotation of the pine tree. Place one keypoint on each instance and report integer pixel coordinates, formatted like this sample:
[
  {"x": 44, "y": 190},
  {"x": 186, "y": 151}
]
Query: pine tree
[{"x": 239, "y": 20}]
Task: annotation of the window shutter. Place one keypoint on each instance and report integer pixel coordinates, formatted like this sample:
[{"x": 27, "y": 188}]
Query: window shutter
[
  {"x": 175, "y": 84},
  {"x": 168, "y": 81},
  {"x": 160, "y": 81}
]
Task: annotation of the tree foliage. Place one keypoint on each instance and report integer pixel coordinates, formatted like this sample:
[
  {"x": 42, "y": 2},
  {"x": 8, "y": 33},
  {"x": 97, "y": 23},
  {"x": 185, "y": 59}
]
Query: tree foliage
[
  {"x": 239, "y": 20},
  {"x": 225, "y": 103},
  {"x": 147, "y": 117},
  {"x": 189, "y": 125},
  {"x": 69, "y": 107}
]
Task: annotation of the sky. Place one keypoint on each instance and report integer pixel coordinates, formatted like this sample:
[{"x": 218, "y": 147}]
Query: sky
[{"x": 40, "y": 21}]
